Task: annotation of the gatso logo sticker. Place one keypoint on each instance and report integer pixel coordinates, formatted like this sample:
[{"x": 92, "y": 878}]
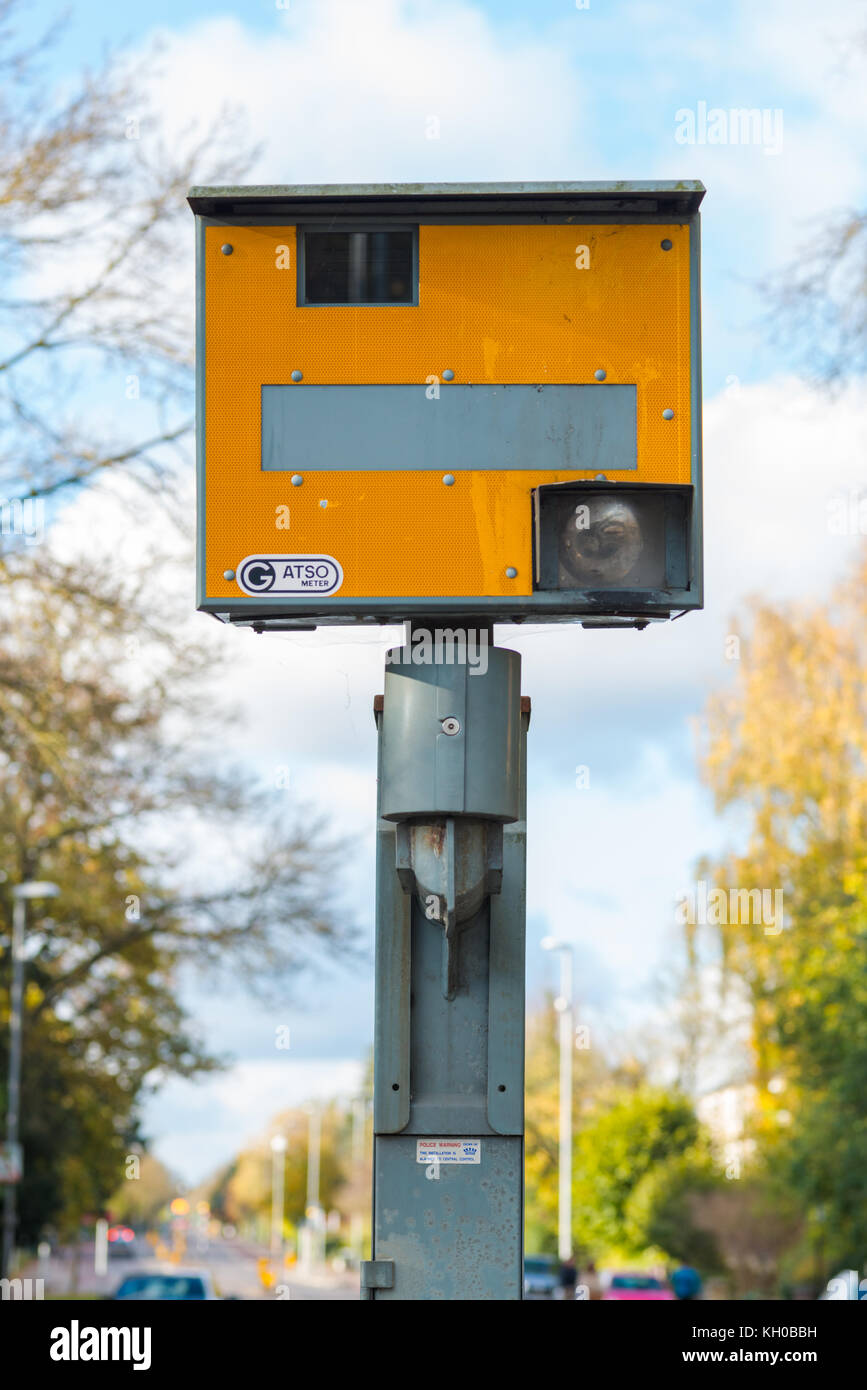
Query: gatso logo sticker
[{"x": 289, "y": 574}]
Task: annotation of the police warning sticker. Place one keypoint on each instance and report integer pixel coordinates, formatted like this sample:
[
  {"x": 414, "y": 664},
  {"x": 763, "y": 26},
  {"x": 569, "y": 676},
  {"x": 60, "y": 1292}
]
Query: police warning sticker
[
  {"x": 448, "y": 1151},
  {"x": 289, "y": 574}
]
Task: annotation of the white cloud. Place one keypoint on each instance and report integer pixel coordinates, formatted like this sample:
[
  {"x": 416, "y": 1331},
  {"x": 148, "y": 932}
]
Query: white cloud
[
  {"x": 199, "y": 1125},
  {"x": 345, "y": 92}
]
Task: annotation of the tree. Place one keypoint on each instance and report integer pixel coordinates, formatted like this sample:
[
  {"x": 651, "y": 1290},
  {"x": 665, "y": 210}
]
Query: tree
[
  {"x": 106, "y": 784},
  {"x": 145, "y": 1192},
  {"x": 663, "y": 1211},
  {"x": 750, "y": 1224},
  {"x": 819, "y": 300},
  {"x": 93, "y": 232},
  {"x": 589, "y": 1073},
  {"x": 786, "y": 748},
  {"x": 241, "y": 1191},
  {"x": 632, "y": 1134}
]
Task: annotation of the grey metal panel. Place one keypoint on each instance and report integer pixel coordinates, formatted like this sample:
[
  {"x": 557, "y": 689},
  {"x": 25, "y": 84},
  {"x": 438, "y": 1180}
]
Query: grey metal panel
[
  {"x": 458, "y": 1236},
  {"x": 506, "y": 973},
  {"x": 542, "y": 606},
  {"x": 449, "y": 1053},
  {"x": 449, "y": 754},
  {"x": 676, "y": 195},
  {"x": 377, "y": 1274},
  {"x": 306, "y": 427},
  {"x": 494, "y": 718},
  {"x": 425, "y": 772},
  {"x": 392, "y": 975},
  {"x": 476, "y": 214}
]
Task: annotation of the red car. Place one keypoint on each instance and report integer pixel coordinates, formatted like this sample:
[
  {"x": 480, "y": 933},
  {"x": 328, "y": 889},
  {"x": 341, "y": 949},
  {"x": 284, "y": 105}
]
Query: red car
[{"x": 622, "y": 1287}]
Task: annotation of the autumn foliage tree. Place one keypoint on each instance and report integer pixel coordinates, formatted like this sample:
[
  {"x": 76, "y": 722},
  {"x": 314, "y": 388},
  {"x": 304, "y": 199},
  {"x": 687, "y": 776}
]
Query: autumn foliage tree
[
  {"x": 109, "y": 787},
  {"x": 786, "y": 750},
  {"x": 96, "y": 339}
]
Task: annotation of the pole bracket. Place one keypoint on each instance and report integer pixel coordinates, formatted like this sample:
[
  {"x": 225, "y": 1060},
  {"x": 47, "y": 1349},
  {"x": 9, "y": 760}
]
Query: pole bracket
[{"x": 376, "y": 1274}]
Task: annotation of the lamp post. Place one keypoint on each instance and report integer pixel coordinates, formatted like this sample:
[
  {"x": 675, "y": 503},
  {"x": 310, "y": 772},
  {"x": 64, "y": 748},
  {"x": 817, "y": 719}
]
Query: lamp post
[
  {"x": 278, "y": 1170},
  {"x": 314, "y": 1141},
  {"x": 564, "y": 1006},
  {"x": 20, "y": 893},
  {"x": 359, "y": 1116},
  {"x": 315, "y": 1232}
]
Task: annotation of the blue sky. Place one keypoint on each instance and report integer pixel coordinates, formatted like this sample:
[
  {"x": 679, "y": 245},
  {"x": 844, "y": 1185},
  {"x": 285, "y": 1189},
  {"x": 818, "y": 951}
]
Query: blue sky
[
  {"x": 602, "y": 87},
  {"x": 338, "y": 90}
]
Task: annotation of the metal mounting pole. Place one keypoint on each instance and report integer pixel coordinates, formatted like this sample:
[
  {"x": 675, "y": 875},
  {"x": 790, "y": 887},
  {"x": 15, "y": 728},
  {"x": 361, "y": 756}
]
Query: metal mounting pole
[{"x": 449, "y": 1035}]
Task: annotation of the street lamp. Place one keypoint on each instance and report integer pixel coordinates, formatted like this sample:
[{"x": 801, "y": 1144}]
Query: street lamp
[
  {"x": 314, "y": 1214},
  {"x": 564, "y": 1005},
  {"x": 359, "y": 1119},
  {"x": 20, "y": 893},
  {"x": 278, "y": 1168}
]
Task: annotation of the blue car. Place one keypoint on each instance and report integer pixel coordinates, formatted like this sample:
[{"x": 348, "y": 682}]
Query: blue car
[
  {"x": 182, "y": 1286},
  {"x": 540, "y": 1276}
]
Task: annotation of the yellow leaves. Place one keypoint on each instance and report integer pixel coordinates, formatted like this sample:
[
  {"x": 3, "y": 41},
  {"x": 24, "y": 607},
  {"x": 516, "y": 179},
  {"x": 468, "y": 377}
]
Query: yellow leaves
[
  {"x": 789, "y": 743},
  {"x": 33, "y": 995}
]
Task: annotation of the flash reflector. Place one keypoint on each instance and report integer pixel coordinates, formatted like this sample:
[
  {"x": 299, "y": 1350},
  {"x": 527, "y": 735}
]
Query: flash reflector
[{"x": 615, "y": 550}]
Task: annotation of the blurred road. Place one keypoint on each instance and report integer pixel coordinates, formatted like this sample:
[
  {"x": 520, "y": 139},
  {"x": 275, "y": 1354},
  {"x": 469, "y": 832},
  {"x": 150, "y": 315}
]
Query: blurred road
[{"x": 236, "y": 1267}]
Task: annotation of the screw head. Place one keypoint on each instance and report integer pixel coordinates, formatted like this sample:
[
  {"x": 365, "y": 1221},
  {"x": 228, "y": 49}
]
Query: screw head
[
  {"x": 668, "y": 415},
  {"x": 297, "y": 376},
  {"x": 227, "y": 248},
  {"x": 600, "y": 374},
  {"x": 448, "y": 374},
  {"x": 451, "y": 726},
  {"x": 297, "y": 480},
  {"x": 228, "y": 574},
  {"x": 666, "y": 244},
  {"x": 511, "y": 572},
  {"x": 449, "y": 479}
]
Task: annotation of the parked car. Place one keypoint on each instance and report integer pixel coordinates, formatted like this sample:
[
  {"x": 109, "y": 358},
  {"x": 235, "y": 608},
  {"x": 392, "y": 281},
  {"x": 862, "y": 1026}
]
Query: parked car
[
  {"x": 540, "y": 1276},
  {"x": 181, "y": 1285},
  {"x": 122, "y": 1243},
  {"x": 622, "y": 1288}
]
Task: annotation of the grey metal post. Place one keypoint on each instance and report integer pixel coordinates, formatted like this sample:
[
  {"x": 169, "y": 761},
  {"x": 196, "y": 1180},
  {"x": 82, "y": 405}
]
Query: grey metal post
[
  {"x": 449, "y": 1032},
  {"x": 13, "y": 1090}
]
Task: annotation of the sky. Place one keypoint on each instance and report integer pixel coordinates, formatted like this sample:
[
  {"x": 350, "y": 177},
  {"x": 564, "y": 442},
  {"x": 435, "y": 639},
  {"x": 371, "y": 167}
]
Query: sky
[{"x": 336, "y": 90}]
